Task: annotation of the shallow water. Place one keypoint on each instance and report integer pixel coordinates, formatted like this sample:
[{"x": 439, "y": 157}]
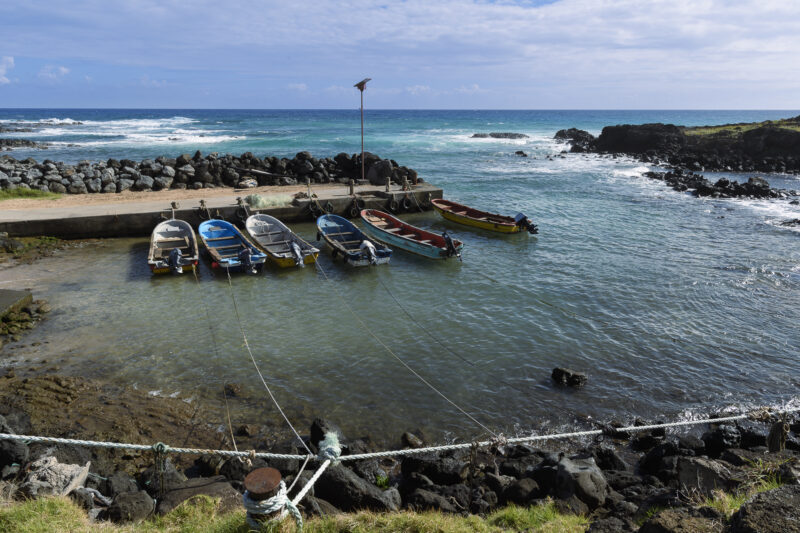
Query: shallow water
[{"x": 673, "y": 305}]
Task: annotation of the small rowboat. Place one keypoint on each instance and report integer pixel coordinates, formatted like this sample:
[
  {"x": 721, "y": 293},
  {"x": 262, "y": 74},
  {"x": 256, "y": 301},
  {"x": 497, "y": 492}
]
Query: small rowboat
[
  {"x": 481, "y": 219},
  {"x": 173, "y": 247},
  {"x": 282, "y": 246},
  {"x": 393, "y": 231},
  {"x": 228, "y": 248},
  {"x": 345, "y": 239}
]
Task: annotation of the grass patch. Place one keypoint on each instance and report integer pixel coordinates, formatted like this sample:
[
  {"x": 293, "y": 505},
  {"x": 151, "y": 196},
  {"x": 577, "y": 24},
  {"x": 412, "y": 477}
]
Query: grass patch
[
  {"x": 55, "y": 515},
  {"x": 13, "y": 194},
  {"x": 727, "y": 503},
  {"x": 733, "y": 130}
]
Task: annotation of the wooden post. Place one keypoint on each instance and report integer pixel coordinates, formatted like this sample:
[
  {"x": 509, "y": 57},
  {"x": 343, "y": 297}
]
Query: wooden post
[{"x": 262, "y": 484}]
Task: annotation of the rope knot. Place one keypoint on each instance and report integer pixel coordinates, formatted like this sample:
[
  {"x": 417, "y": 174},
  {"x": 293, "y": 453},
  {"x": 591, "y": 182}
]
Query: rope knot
[
  {"x": 500, "y": 442},
  {"x": 160, "y": 448},
  {"x": 329, "y": 448},
  {"x": 279, "y": 502}
]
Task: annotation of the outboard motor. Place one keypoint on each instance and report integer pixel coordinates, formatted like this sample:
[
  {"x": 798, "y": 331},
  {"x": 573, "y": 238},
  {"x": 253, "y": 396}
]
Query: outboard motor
[
  {"x": 525, "y": 223},
  {"x": 297, "y": 253},
  {"x": 451, "y": 246},
  {"x": 174, "y": 261},
  {"x": 369, "y": 248},
  {"x": 245, "y": 257}
]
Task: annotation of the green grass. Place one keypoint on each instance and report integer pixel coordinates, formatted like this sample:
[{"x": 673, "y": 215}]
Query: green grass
[
  {"x": 732, "y": 130},
  {"x": 13, "y": 194},
  {"x": 54, "y": 515},
  {"x": 727, "y": 503}
]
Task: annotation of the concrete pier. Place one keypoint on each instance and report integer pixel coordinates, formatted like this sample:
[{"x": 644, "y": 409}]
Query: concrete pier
[
  {"x": 138, "y": 218},
  {"x": 13, "y": 301}
]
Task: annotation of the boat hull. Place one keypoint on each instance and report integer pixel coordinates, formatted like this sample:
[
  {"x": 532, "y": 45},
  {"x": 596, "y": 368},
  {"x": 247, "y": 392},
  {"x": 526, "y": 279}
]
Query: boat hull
[
  {"x": 409, "y": 245},
  {"x": 343, "y": 238},
  {"x": 223, "y": 242},
  {"x": 273, "y": 237},
  {"x": 475, "y": 223},
  {"x": 167, "y": 236}
]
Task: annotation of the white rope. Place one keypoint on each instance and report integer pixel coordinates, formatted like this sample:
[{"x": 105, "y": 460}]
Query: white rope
[
  {"x": 388, "y": 453},
  {"x": 279, "y": 502},
  {"x": 253, "y": 359},
  {"x": 368, "y": 330}
]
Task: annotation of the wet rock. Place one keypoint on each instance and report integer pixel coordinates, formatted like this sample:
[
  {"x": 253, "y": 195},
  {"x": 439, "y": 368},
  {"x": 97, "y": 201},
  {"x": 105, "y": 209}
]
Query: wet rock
[
  {"x": 520, "y": 153},
  {"x": 789, "y": 472},
  {"x": 349, "y": 492},
  {"x": 216, "y": 487},
  {"x": 565, "y": 376},
  {"x": 131, "y": 507},
  {"x": 607, "y": 458},
  {"x": 773, "y": 511},
  {"x": 409, "y": 440}
]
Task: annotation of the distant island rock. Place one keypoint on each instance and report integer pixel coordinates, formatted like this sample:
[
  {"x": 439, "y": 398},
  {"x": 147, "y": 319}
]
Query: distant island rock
[
  {"x": 499, "y": 135},
  {"x": 770, "y": 146}
]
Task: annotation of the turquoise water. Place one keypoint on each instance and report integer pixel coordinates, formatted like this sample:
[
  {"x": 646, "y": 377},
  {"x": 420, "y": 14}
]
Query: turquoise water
[{"x": 673, "y": 305}]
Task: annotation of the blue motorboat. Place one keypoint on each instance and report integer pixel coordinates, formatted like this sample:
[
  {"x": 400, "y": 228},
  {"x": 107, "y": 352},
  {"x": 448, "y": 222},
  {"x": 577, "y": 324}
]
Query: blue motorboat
[
  {"x": 345, "y": 239},
  {"x": 228, "y": 248}
]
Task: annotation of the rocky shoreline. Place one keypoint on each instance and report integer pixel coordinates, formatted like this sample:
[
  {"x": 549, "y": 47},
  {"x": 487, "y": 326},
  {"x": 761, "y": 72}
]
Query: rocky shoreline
[
  {"x": 196, "y": 172},
  {"x": 766, "y": 148},
  {"x": 651, "y": 481}
]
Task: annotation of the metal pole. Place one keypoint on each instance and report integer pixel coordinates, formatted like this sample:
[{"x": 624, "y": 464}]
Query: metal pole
[
  {"x": 361, "y": 86},
  {"x": 362, "y": 134}
]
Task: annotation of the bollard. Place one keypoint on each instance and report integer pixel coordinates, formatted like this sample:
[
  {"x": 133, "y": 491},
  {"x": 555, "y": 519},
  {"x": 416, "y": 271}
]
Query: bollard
[
  {"x": 352, "y": 187},
  {"x": 388, "y": 184},
  {"x": 262, "y": 484},
  {"x": 405, "y": 184}
]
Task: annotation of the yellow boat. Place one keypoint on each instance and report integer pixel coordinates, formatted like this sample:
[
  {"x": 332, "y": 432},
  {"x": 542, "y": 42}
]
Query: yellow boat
[
  {"x": 282, "y": 245},
  {"x": 483, "y": 220}
]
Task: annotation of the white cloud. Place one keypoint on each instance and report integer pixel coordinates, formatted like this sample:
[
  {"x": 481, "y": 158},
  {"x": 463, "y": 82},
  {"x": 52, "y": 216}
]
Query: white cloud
[
  {"x": 418, "y": 89},
  {"x": 470, "y": 89},
  {"x": 6, "y": 64},
  {"x": 147, "y": 82},
  {"x": 599, "y": 51},
  {"x": 302, "y": 87},
  {"x": 53, "y": 73}
]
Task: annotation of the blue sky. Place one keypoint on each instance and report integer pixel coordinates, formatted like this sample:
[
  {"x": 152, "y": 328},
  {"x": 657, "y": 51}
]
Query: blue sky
[{"x": 442, "y": 54}]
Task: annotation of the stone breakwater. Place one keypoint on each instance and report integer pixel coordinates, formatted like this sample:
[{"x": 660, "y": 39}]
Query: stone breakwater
[
  {"x": 761, "y": 149},
  {"x": 651, "y": 481},
  {"x": 196, "y": 172}
]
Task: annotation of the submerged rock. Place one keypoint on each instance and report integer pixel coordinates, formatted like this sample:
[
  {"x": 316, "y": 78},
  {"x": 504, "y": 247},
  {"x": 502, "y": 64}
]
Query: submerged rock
[{"x": 565, "y": 376}]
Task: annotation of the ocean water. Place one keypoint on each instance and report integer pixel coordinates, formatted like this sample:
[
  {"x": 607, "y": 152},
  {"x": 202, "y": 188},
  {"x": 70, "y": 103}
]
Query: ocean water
[{"x": 674, "y": 306}]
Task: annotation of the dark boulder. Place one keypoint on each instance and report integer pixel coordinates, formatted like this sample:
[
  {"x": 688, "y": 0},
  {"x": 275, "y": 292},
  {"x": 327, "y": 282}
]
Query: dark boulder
[
  {"x": 117, "y": 483},
  {"x": 583, "y": 479},
  {"x": 521, "y": 492},
  {"x": 349, "y": 492},
  {"x": 706, "y": 475},
  {"x": 442, "y": 470},
  {"x": 567, "y": 377},
  {"x": 131, "y": 507},
  {"x": 720, "y": 439},
  {"x": 216, "y": 487},
  {"x": 425, "y": 500}
]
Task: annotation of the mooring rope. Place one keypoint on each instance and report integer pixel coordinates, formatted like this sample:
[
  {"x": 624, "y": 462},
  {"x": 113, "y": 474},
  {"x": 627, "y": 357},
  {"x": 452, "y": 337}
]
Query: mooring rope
[
  {"x": 216, "y": 354},
  {"x": 445, "y": 346},
  {"x": 379, "y": 341},
  {"x": 756, "y": 414},
  {"x": 255, "y": 364}
]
